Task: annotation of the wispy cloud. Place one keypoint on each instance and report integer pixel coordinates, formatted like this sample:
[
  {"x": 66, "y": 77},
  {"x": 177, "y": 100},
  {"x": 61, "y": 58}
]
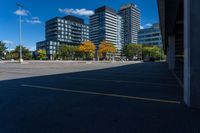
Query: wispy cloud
[
  {"x": 141, "y": 27},
  {"x": 34, "y": 20},
  {"x": 148, "y": 25},
  {"x": 30, "y": 20},
  {"x": 8, "y": 41},
  {"x": 145, "y": 26},
  {"x": 22, "y": 12},
  {"x": 80, "y": 12}
]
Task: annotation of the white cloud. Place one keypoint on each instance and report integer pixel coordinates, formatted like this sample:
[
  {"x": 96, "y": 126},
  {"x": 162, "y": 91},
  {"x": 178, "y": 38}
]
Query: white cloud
[
  {"x": 22, "y": 12},
  {"x": 148, "y": 25},
  {"x": 34, "y": 20},
  {"x": 80, "y": 12},
  {"x": 32, "y": 48},
  {"x": 8, "y": 41}
]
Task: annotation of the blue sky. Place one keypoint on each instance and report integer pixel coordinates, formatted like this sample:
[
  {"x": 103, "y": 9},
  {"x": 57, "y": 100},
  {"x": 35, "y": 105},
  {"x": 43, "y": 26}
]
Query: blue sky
[{"x": 38, "y": 11}]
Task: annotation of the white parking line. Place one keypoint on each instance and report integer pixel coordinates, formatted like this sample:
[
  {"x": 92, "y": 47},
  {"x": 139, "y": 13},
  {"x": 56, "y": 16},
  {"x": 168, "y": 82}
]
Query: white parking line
[
  {"x": 122, "y": 81},
  {"x": 103, "y": 94}
]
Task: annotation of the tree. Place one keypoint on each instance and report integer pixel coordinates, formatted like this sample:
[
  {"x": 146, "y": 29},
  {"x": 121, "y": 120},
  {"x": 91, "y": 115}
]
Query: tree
[
  {"x": 87, "y": 49},
  {"x": 106, "y": 48},
  {"x": 41, "y": 54},
  {"x": 67, "y": 51},
  {"x": 132, "y": 51},
  {"x": 62, "y": 51},
  {"x": 3, "y": 49},
  {"x": 26, "y": 54},
  {"x": 153, "y": 52}
]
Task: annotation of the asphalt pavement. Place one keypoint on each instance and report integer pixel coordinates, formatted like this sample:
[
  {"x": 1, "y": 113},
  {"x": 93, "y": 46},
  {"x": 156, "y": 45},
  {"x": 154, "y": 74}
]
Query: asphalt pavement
[{"x": 93, "y": 98}]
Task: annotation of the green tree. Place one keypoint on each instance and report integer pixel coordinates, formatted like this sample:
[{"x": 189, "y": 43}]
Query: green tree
[
  {"x": 26, "y": 54},
  {"x": 153, "y": 51},
  {"x": 67, "y": 51},
  {"x": 3, "y": 49},
  {"x": 41, "y": 54},
  {"x": 132, "y": 51}
]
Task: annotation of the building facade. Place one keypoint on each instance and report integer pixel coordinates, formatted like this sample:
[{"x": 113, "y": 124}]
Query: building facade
[
  {"x": 179, "y": 21},
  {"x": 67, "y": 30},
  {"x": 130, "y": 14},
  {"x": 49, "y": 46},
  {"x": 150, "y": 36},
  {"x": 105, "y": 25}
]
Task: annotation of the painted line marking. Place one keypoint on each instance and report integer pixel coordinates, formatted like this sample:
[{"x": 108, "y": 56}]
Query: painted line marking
[
  {"x": 122, "y": 81},
  {"x": 103, "y": 94}
]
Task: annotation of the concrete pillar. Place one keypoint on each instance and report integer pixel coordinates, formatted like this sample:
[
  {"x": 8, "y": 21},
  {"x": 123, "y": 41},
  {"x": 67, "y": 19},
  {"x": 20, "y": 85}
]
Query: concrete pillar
[
  {"x": 192, "y": 53},
  {"x": 168, "y": 57},
  {"x": 171, "y": 52}
]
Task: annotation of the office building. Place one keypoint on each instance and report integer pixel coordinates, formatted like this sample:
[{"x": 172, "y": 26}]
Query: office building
[
  {"x": 150, "y": 35},
  {"x": 63, "y": 30},
  {"x": 130, "y": 14},
  {"x": 105, "y": 25}
]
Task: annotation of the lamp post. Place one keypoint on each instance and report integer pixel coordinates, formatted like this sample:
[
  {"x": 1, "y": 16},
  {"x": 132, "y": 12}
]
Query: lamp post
[{"x": 20, "y": 34}]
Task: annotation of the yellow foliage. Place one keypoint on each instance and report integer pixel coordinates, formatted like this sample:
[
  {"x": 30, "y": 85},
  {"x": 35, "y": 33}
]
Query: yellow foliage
[
  {"x": 87, "y": 47},
  {"x": 106, "y": 47}
]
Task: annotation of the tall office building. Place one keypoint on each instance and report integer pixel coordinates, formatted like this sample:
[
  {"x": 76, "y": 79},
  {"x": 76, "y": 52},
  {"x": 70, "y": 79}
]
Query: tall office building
[
  {"x": 150, "y": 36},
  {"x": 119, "y": 33},
  {"x": 67, "y": 30},
  {"x": 130, "y": 14},
  {"x": 105, "y": 25}
]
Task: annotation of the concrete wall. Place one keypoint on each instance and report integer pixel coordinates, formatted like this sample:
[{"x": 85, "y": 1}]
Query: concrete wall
[
  {"x": 192, "y": 53},
  {"x": 171, "y": 52}
]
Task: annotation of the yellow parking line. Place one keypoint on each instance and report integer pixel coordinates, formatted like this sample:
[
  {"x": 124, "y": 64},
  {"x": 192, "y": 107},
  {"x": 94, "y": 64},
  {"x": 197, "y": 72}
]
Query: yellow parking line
[{"x": 103, "y": 94}]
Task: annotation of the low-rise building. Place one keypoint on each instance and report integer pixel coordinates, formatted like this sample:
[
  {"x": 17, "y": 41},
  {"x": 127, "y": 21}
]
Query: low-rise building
[{"x": 150, "y": 35}]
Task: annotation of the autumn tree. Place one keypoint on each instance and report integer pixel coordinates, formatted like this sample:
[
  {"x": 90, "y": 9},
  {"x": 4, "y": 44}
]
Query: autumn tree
[
  {"x": 88, "y": 50},
  {"x": 106, "y": 49}
]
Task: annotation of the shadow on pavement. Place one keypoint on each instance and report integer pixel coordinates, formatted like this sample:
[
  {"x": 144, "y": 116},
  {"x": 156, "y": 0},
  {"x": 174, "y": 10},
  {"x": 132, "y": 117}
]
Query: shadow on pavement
[{"x": 133, "y": 98}]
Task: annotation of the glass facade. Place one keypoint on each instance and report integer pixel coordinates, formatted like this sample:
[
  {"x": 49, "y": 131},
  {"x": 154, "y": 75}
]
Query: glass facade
[
  {"x": 67, "y": 30},
  {"x": 105, "y": 25},
  {"x": 150, "y": 36},
  {"x": 130, "y": 14}
]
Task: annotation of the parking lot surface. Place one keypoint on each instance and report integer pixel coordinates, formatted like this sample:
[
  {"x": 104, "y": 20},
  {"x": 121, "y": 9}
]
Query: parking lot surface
[{"x": 118, "y": 97}]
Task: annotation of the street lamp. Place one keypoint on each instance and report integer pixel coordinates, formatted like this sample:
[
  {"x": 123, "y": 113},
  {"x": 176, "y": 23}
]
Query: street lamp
[{"x": 20, "y": 34}]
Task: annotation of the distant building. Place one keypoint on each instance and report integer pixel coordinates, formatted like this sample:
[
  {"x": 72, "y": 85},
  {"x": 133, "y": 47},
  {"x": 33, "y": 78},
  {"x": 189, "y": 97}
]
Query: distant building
[
  {"x": 105, "y": 25},
  {"x": 130, "y": 14},
  {"x": 67, "y": 30},
  {"x": 50, "y": 47},
  {"x": 150, "y": 36}
]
